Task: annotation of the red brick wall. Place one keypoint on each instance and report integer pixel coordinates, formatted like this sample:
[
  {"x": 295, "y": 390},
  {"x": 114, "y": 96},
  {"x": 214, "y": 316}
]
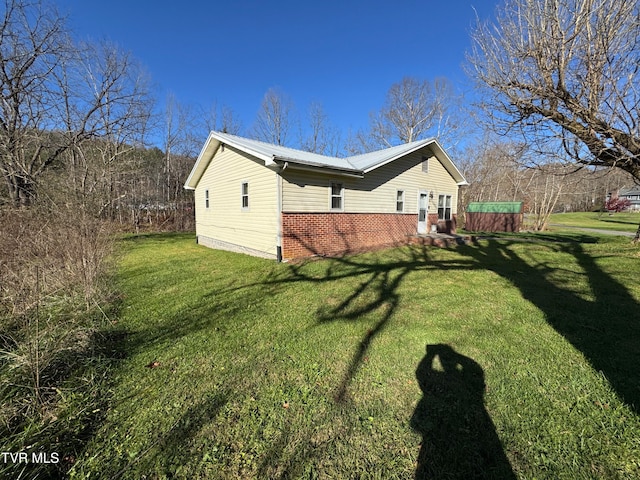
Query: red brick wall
[
  {"x": 306, "y": 234},
  {"x": 444, "y": 226},
  {"x": 493, "y": 222}
]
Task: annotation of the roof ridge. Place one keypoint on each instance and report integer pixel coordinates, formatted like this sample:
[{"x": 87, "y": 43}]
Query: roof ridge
[{"x": 274, "y": 145}]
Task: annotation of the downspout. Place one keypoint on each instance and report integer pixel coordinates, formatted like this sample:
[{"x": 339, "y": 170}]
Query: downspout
[{"x": 279, "y": 208}]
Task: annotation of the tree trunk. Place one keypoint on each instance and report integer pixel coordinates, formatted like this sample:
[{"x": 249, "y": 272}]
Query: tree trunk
[
  {"x": 636, "y": 239},
  {"x": 22, "y": 191}
]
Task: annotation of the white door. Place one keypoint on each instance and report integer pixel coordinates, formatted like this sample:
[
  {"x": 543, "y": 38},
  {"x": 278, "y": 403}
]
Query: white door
[{"x": 423, "y": 207}]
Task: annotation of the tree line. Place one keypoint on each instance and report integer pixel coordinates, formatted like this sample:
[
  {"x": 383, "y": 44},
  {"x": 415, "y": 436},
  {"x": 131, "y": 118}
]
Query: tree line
[{"x": 76, "y": 118}]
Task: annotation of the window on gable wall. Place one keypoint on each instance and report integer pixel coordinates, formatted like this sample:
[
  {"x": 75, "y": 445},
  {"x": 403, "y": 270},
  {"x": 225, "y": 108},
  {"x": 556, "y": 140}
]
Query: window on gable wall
[
  {"x": 400, "y": 201},
  {"x": 444, "y": 207},
  {"x": 206, "y": 198},
  {"x": 425, "y": 164},
  {"x": 337, "y": 196}
]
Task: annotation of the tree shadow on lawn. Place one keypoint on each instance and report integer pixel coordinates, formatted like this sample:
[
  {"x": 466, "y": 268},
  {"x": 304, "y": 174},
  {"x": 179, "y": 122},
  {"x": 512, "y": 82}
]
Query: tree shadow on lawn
[
  {"x": 606, "y": 329},
  {"x": 166, "y": 452},
  {"x": 459, "y": 439},
  {"x": 377, "y": 293}
]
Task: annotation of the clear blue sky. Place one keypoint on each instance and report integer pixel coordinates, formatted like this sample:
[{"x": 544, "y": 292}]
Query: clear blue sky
[{"x": 344, "y": 54}]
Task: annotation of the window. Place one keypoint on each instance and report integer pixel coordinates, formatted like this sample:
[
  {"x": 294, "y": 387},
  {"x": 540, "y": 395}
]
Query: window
[
  {"x": 400, "y": 201},
  {"x": 444, "y": 207},
  {"x": 425, "y": 164},
  {"x": 206, "y": 198},
  {"x": 337, "y": 196},
  {"x": 245, "y": 195}
]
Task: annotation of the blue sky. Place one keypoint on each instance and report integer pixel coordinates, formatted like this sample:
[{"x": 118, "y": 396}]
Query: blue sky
[{"x": 343, "y": 54}]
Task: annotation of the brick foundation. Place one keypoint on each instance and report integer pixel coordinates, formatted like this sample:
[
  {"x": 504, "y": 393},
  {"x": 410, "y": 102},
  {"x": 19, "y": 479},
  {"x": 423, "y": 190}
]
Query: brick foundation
[
  {"x": 307, "y": 234},
  {"x": 443, "y": 226}
]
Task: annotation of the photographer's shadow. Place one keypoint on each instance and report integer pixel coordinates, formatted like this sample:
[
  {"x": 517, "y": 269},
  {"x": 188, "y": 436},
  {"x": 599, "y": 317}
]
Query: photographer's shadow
[{"x": 458, "y": 437}]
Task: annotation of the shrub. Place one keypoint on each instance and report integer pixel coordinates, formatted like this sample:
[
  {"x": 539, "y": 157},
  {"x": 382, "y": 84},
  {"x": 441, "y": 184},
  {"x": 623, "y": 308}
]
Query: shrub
[
  {"x": 616, "y": 204},
  {"x": 53, "y": 265}
]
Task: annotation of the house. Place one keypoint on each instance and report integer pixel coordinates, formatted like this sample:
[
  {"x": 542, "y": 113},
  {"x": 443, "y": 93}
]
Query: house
[
  {"x": 633, "y": 195},
  {"x": 282, "y": 203}
]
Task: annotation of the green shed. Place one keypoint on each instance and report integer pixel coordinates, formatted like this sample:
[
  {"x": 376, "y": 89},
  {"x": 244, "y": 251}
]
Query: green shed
[{"x": 494, "y": 217}]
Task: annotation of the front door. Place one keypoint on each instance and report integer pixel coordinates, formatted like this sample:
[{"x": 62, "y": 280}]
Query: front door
[{"x": 423, "y": 206}]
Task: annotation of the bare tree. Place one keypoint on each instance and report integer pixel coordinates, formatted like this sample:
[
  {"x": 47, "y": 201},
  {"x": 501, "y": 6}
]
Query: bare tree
[
  {"x": 223, "y": 119},
  {"x": 182, "y": 139},
  {"x": 105, "y": 117},
  {"x": 33, "y": 45},
  {"x": 495, "y": 171},
  {"x": 274, "y": 121},
  {"x": 322, "y": 137},
  {"x": 565, "y": 73},
  {"x": 416, "y": 108},
  {"x": 56, "y": 95}
]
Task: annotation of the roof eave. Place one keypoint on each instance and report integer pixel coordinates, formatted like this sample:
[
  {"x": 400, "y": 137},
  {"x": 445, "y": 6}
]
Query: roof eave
[
  {"x": 205, "y": 155},
  {"x": 209, "y": 149},
  {"x": 448, "y": 164},
  {"x": 315, "y": 167}
]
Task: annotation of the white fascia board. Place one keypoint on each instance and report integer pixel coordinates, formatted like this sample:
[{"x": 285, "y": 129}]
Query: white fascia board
[
  {"x": 450, "y": 166},
  {"x": 399, "y": 155},
  {"x": 441, "y": 154},
  {"x": 208, "y": 150},
  {"x": 201, "y": 163},
  {"x": 267, "y": 158}
]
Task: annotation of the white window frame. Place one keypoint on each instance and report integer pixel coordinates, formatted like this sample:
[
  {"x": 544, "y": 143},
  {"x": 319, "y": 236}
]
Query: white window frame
[
  {"x": 206, "y": 199},
  {"x": 442, "y": 199},
  {"x": 244, "y": 195},
  {"x": 400, "y": 195},
  {"x": 340, "y": 196}
]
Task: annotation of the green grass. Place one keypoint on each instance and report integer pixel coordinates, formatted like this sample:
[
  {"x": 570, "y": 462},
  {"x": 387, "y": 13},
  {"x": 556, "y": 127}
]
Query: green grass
[
  {"x": 503, "y": 359},
  {"x": 622, "y": 222}
]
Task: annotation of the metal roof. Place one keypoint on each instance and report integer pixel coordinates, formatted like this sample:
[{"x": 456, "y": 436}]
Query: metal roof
[
  {"x": 494, "y": 207},
  {"x": 633, "y": 190},
  {"x": 356, "y": 165}
]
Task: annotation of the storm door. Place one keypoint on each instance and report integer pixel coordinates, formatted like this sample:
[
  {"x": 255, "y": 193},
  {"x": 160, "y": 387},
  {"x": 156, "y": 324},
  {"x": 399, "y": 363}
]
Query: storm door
[{"x": 423, "y": 206}]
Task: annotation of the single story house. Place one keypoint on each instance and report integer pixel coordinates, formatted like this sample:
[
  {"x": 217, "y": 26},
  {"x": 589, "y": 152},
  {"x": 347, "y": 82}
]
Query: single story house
[
  {"x": 283, "y": 203},
  {"x": 633, "y": 195}
]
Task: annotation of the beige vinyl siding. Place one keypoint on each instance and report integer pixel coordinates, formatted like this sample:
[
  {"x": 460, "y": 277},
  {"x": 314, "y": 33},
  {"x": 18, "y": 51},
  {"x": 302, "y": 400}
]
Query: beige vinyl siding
[
  {"x": 305, "y": 191},
  {"x": 254, "y": 227}
]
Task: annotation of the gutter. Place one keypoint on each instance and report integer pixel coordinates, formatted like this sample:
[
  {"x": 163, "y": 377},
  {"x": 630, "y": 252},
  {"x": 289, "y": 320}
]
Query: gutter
[
  {"x": 313, "y": 167},
  {"x": 279, "y": 211}
]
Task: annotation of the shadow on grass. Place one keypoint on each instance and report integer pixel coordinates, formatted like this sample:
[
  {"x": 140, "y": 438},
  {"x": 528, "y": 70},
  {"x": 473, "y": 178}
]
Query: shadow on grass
[
  {"x": 172, "y": 449},
  {"x": 459, "y": 440},
  {"x": 377, "y": 293},
  {"x": 606, "y": 329}
]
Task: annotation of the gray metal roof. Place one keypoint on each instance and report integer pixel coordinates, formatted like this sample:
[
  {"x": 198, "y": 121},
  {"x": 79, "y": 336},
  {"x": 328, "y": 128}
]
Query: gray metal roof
[
  {"x": 355, "y": 165},
  {"x": 632, "y": 190},
  {"x": 269, "y": 152}
]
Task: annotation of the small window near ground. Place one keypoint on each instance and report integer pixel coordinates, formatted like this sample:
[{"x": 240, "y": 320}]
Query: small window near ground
[
  {"x": 444, "y": 207},
  {"x": 400, "y": 201},
  {"x": 337, "y": 196},
  {"x": 245, "y": 195},
  {"x": 206, "y": 199},
  {"x": 425, "y": 164}
]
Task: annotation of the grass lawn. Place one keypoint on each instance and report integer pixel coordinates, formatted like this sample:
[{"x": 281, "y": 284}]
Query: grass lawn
[
  {"x": 622, "y": 222},
  {"x": 503, "y": 359}
]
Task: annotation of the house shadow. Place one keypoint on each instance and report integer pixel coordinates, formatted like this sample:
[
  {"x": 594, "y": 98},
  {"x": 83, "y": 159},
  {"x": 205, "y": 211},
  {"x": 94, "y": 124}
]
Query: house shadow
[{"x": 459, "y": 440}]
